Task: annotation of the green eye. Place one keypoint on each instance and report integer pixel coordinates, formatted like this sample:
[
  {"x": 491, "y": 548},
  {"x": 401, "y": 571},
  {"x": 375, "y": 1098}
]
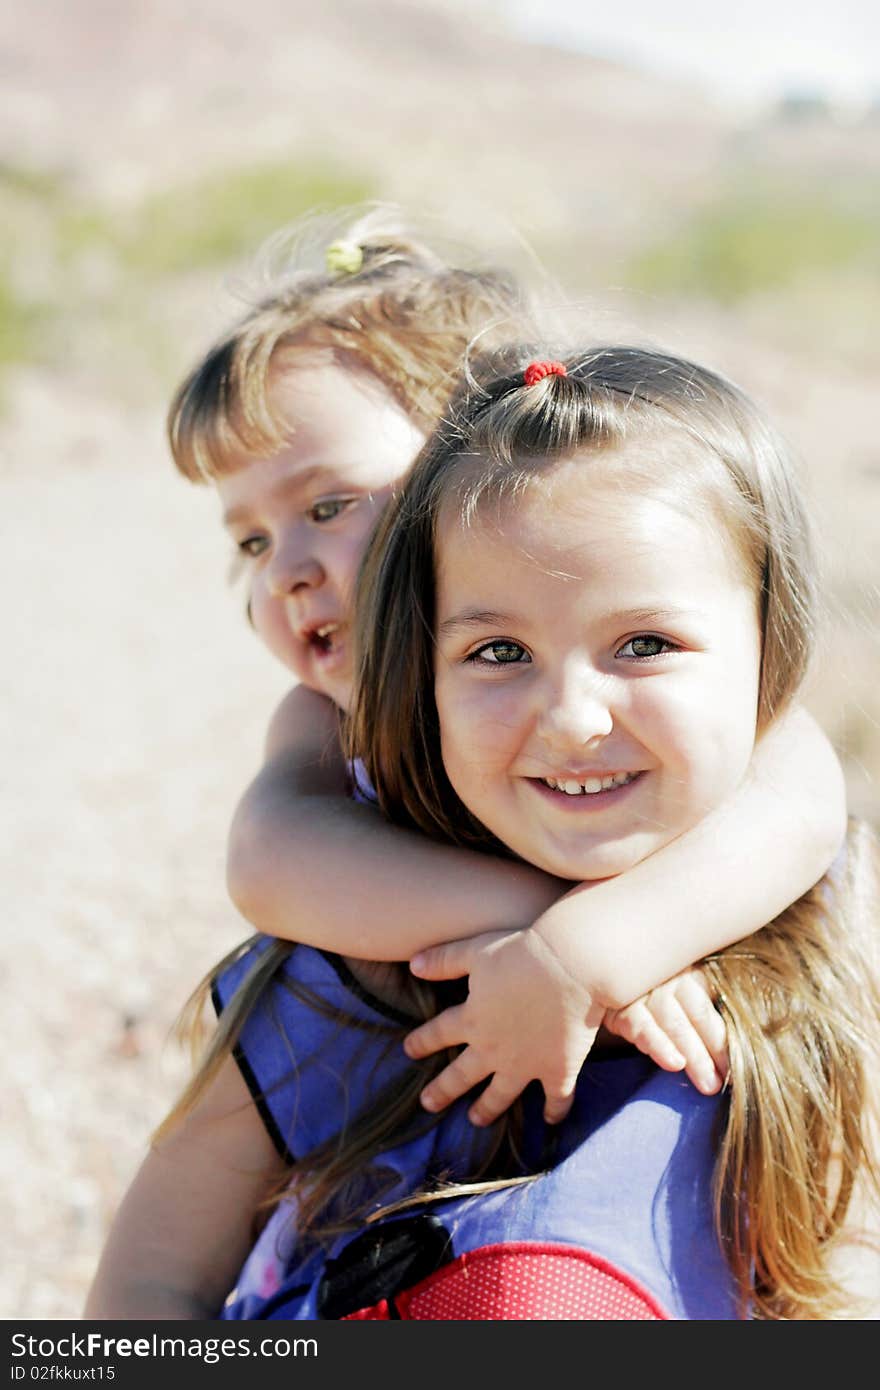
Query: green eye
[
  {"x": 501, "y": 653},
  {"x": 252, "y": 546},
  {"x": 646, "y": 645},
  {"x": 329, "y": 509}
]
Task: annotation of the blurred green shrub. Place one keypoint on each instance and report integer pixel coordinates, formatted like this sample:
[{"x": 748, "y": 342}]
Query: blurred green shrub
[
  {"x": 19, "y": 322},
  {"x": 91, "y": 281},
  {"x": 26, "y": 197},
  {"x": 216, "y": 219},
  {"x": 748, "y": 241}
]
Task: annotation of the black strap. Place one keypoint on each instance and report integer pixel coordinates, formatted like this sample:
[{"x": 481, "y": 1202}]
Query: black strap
[{"x": 381, "y": 1262}]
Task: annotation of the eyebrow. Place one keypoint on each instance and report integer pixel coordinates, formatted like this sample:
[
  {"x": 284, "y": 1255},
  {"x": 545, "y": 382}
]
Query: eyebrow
[
  {"x": 474, "y": 617},
  {"x": 631, "y": 617},
  {"x": 646, "y": 617},
  {"x": 299, "y": 483}
]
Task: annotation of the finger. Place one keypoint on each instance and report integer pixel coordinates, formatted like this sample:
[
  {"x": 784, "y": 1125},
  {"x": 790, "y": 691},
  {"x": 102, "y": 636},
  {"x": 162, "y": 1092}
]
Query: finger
[
  {"x": 498, "y": 1096},
  {"x": 638, "y": 1026},
  {"x": 697, "y": 1003},
  {"x": 444, "y": 1030},
  {"x": 447, "y": 962},
  {"x": 699, "y": 1063},
  {"x": 454, "y": 1081},
  {"x": 557, "y": 1105}
]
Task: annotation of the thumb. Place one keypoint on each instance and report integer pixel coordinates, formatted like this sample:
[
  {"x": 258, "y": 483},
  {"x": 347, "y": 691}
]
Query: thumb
[{"x": 447, "y": 962}]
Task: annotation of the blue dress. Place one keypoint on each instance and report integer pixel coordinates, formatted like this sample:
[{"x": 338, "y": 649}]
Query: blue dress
[{"x": 618, "y": 1224}]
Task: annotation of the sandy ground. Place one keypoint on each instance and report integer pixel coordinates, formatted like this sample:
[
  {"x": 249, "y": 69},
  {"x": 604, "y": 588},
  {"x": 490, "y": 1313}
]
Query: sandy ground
[{"x": 135, "y": 700}]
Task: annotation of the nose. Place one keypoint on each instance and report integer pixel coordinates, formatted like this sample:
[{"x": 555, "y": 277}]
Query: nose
[
  {"x": 577, "y": 710},
  {"x": 292, "y": 568}
]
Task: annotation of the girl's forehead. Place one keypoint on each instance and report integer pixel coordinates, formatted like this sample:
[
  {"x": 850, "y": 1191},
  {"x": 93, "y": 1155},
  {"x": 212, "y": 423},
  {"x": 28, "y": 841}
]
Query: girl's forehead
[
  {"x": 582, "y": 526},
  {"x": 337, "y": 426},
  {"x": 588, "y": 520},
  {"x": 585, "y": 485},
  {"x": 309, "y": 385}
]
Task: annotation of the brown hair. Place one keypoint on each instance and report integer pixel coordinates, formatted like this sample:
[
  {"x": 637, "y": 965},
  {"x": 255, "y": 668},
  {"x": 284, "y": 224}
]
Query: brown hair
[
  {"x": 497, "y": 436},
  {"x": 406, "y": 314},
  {"x": 800, "y": 997}
]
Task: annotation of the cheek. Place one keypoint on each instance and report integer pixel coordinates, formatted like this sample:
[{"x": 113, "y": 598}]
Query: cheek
[
  {"x": 270, "y": 625},
  {"x": 479, "y": 725},
  {"x": 702, "y": 731},
  {"x": 734, "y": 700},
  {"x": 664, "y": 714},
  {"x": 344, "y": 559},
  {"x": 263, "y": 610}
]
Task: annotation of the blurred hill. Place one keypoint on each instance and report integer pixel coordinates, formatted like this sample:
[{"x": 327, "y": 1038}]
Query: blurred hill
[
  {"x": 423, "y": 97},
  {"x": 145, "y": 150},
  {"x": 153, "y": 139}
]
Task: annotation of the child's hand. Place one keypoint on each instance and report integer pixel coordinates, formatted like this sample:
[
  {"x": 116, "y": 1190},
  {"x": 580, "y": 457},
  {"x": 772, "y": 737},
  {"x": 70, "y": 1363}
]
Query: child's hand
[
  {"x": 678, "y": 1026},
  {"x": 525, "y": 1018}
]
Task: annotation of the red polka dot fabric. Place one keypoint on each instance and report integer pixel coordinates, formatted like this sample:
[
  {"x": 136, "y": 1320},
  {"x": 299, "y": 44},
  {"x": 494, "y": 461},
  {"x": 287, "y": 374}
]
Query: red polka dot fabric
[{"x": 525, "y": 1281}]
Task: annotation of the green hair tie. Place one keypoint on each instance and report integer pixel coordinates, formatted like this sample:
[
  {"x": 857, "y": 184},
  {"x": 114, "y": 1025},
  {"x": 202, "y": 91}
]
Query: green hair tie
[{"x": 344, "y": 257}]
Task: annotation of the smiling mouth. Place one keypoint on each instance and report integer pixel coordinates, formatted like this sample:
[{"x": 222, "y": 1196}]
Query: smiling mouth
[{"x": 591, "y": 786}]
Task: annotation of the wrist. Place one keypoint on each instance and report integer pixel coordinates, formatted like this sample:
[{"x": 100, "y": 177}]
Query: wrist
[
  {"x": 582, "y": 951},
  {"x": 571, "y": 958}
]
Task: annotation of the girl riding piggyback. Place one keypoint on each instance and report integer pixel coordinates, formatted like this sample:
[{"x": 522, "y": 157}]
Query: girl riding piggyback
[{"x": 588, "y": 606}]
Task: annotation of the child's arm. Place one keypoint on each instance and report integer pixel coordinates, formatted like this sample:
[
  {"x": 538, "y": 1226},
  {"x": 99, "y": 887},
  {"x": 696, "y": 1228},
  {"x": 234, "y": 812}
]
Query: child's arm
[
  {"x": 186, "y": 1223},
  {"x": 307, "y": 863},
  {"x": 606, "y": 943}
]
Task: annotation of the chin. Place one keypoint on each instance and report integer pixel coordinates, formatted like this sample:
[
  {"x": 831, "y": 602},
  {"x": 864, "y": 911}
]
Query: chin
[
  {"x": 600, "y": 861},
  {"x": 340, "y": 692}
]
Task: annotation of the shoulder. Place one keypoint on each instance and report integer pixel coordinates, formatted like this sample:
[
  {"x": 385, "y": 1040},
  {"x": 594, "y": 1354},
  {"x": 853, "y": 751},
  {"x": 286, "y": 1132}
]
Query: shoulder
[
  {"x": 302, "y": 715},
  {"x": 264, "y": 970},
  {"x": 302, "y": 750},
  {"x": 308, "y": 1038}
]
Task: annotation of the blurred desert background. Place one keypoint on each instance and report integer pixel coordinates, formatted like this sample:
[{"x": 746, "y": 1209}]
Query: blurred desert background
[{"x": 146, "y": 149}]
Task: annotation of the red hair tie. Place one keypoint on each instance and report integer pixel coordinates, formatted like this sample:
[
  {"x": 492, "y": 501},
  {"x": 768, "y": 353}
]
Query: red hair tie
[{"x": 536, "y": 371}]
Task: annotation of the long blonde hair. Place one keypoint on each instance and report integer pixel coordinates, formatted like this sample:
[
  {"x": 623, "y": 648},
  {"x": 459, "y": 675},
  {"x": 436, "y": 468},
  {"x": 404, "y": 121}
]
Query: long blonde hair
[{"x": 800, "y": 996}]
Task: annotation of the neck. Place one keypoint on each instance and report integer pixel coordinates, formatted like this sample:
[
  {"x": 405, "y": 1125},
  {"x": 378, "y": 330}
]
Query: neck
[{"x": 384, "y": 980}]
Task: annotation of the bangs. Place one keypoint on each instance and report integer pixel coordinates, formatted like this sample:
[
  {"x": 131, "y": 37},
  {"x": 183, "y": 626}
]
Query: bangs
[{"x": 223, "y": 415}]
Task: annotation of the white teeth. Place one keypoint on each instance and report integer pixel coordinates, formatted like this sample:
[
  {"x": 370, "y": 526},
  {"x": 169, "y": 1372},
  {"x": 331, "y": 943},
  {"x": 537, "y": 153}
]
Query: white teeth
[
  {"x": 590, "y": 786},
  {"x": 326, "y": 629}
]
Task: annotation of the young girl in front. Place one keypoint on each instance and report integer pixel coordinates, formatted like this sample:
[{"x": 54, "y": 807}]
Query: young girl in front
[
  {"x": 304, "y": 418},
  {"x": 615, "y": 605}
]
